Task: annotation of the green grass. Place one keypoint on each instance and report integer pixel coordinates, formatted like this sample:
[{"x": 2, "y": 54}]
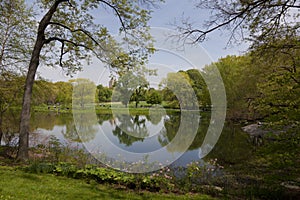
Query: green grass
[
  {"x": 105, "y": 108},
  {"x": 16, "y": 184}
]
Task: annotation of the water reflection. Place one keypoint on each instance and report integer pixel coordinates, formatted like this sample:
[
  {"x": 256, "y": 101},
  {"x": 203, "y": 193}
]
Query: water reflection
[
  {"x": 86, "y": 126},
  {"x": 179, "y": 131},
  {"x": 139, "y": 133},
  {"x": 130, "y": 129}
]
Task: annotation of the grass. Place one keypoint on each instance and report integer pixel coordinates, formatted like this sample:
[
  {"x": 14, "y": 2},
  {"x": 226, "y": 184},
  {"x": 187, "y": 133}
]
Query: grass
[
  {"x": 16, "y": 184},
  {"x": 105, "y": 108}
]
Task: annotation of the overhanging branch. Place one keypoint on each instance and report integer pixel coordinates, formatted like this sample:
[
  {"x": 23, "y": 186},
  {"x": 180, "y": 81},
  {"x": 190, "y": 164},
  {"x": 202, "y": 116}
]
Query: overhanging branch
[
  {"x": 85, "y": 32},
  {"x": 64, "y": 41},
  {"x": 237, "y": 13},
  {"x": 116, "y": 11}
]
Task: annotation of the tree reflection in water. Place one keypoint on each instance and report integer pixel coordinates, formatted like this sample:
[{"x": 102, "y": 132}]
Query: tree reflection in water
[
  {"x": 134, "y": 132},
  {"x": 130, "y": 129}
]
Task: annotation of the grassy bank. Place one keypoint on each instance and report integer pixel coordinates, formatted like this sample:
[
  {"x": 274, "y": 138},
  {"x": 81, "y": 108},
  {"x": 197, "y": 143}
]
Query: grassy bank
[
  {"x": 17, "y": 184},
  {"x": 106, "y": 108}
]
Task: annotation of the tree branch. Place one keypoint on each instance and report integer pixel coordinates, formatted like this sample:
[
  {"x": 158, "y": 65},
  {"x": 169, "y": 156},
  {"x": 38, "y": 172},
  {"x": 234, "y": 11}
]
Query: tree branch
[
  {"x": 76, "y": 30},
  {"x": 237, "y": 13},
  {"x": 61, "y": 54},
  {"x": 116, "y": 11},
  {"x": 63, "y": 41}
]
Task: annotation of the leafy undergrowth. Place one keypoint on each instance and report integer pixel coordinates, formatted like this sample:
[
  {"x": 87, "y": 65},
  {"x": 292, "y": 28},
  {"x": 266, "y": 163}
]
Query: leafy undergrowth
[
  {"x": 164, "y": 180},
  {"x": 17, "y": 184},
  {"x": 103, "y": 175},
  {"x": 273, "y": 172}
]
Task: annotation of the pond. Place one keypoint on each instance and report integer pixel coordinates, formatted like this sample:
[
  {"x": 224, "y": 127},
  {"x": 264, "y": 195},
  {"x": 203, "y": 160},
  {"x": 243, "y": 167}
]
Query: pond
[{"x": 125, "y": 137}]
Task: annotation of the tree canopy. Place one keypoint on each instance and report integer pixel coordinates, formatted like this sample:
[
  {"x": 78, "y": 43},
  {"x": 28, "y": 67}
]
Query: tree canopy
[
  {"x": 15, "y": 38},
  {"x": 260, "y": 21}
]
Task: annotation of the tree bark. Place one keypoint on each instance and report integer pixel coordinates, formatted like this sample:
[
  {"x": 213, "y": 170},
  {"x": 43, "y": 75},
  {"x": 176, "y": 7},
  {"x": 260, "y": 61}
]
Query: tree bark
[
  {"x": 25, "y": 114},
  {"x": 23, "y": 154},
  {"x": 1, "y": 131}
]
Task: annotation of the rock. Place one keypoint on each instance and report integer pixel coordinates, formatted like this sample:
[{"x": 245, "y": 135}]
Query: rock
[
  {"x": 291, "y": 186},
  {"x": 258, "y": 130},
  {"x": 212, "y": 187},
  {"x": 254, "y": 130}
]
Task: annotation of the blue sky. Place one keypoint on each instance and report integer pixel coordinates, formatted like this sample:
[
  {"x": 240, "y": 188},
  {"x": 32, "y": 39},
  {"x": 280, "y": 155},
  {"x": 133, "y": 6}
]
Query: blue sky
[
  {"x": 173, "y": 10},
  {"x": 163, "y": 17}
]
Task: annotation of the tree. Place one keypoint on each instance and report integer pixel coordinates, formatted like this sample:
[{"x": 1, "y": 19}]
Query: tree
[
  {"x": 83, "y": 92},
  {"x": 180, "y": 90},
  {"x": 260, "y": 21},
  {"x": 44, "y": 92},
  {"x": 278, "y": 96},
  {"x": 68, "y": 34},
  {"x": 10, "y": 90},
  {"x": 104, "y": 93},
  {"x": 200, "y": 87},
  {"x": 240, "y": 79},
  {"x": 14, "y": 41},
  {"x": 130, "y": 85},
  {"x": 139, "y": 94},
  {"x": 168, "y": 95},
  {"x": 64, "y": 93},
  {"x": 153, "y": 97},
  {"x": 15, "y": 38}
]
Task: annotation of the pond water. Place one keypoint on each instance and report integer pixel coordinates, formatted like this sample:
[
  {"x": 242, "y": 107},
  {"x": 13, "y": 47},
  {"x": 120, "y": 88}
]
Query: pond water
[{"x": 112, "y": 135}]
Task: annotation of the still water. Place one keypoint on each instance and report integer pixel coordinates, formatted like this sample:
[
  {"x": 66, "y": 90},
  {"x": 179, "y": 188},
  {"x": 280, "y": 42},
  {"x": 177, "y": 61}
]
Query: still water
[{"x": 126, "y": 137}]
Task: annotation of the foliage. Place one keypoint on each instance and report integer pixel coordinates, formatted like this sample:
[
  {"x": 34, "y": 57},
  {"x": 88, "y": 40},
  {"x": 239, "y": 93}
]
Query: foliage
[
  {"x": 200, "y": 177},
  {"x": 43, "y": 92},
  {"x": 104, "y": 93},
  {"x": 153, "y": 97},
  {"x": 64, "y": 92},
  {"x": 41, "y": 186},
  {"x": 10, "y": 90},
  {"x": 188, "y": 85},
  {"x": 272, "y": 165},
  {"x": 180, "y": 90},
  {"x": 272, "y": 82},
  {"x": 15, "y": 38},
  {"x": 130, "y": 86},
  {"x": 199, "y": 86},
  {"x": 279, "y": 91},
  {"x": 139, "y": 94},
  {"x": 159, "y": 181},
  {"x": 169, "y": 97},
  {"x": 237, "y": 73},
  {"x": 83, "y": 92},
  {"x": 14, "y": 41},
  {"x": 73, "y": 34}
]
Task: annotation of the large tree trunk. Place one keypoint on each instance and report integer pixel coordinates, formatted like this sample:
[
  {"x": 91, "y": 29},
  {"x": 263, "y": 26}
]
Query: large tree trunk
[
  {"x": 1, "y": 131},
  {"x": 25, "y": 114},
  {"x": 33, "y": 65}
]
